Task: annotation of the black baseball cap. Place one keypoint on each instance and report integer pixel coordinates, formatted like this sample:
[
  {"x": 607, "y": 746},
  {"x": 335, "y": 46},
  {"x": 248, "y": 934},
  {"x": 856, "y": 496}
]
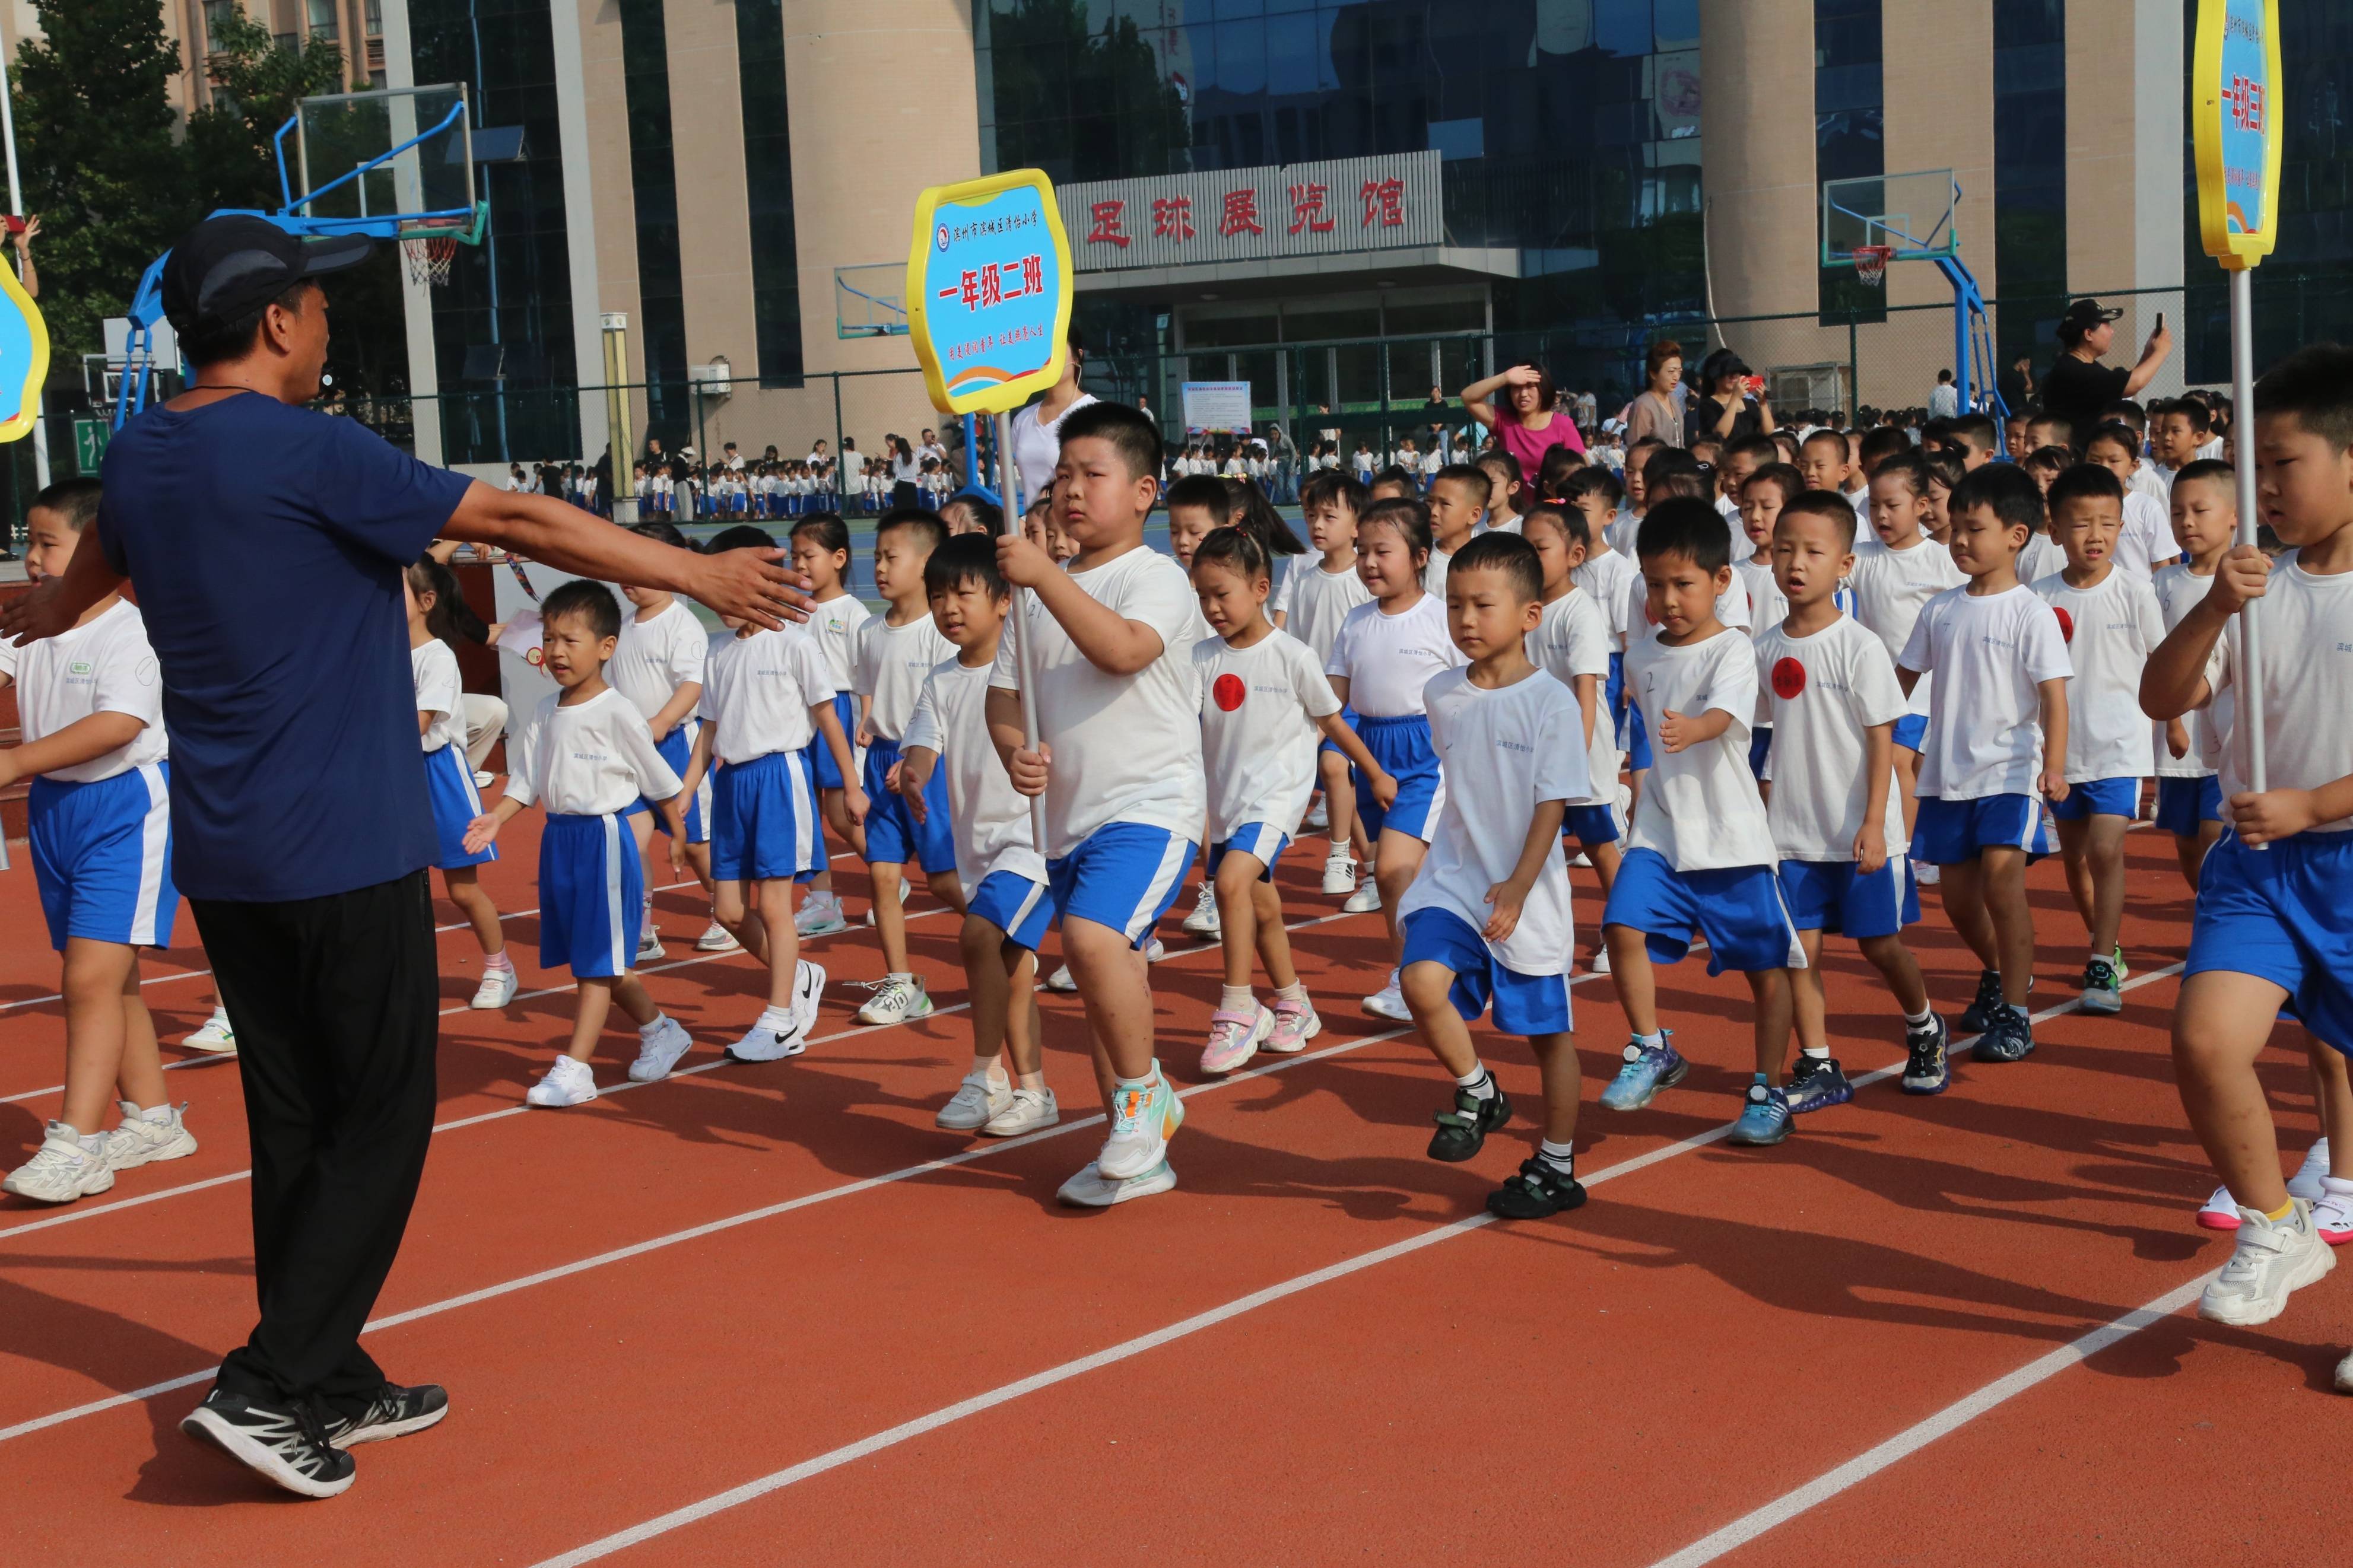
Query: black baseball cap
[
  {"x": 231, "y": 265},
  {"x": 2083, "y": 316}
]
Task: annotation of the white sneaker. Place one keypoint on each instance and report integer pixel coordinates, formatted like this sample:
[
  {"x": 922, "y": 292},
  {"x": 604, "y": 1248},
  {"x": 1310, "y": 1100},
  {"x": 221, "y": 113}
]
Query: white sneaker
[
  {"x": 497, "y": 989},
  {"x": 977, "y": 1101},
  {"x": 1203, "y": 921},
  {"x": 64, "y": 1168},
  {"x": 649, "y": 947},
  {"x": 1153, "y": 952},
  {"x": 906, "y": 890},
  {"x": 1061, "y": 981},
  {"x": 2219, "y": 1212},
  {"x": 142, "y": 1138},
  {"x": 1389, "y": 1003},
  {"x": 897, "y": 999},
  {"x": 1927, "y": 876},
  {"x": 1032, "y": 1111},
  {"x": 718, "y": 939},
  {"x": 1318, "y": 817},
  {"x": 1579, "y": 859},
  {"x": 659, "y": 1044},
  {"x": 2305, "y": 1183},
  {"x": 1365, "y": 899},
  {"x": 2345, "y": 1375},
  {"x": 1091, "y": 1189},
  {"x": 482, "y": 780},
  {"x": 2332, "y": 1217},
  {"x": 1339, "y": 873},
  {"x": 568, "y": 1082},
  {"x": 1143, "y": 1120},
  {"x": 808, "y": 992},
  {"x": 1601, "y": 960},
  {"x": 2274, "y": 1258},
  {"x": 213, "y": 1036},
  {"x": 820, "y": 915}
]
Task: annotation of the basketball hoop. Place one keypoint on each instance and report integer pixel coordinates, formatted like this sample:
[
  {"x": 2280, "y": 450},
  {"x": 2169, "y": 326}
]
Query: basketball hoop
[
  {"x": 429, "y": 253},
  {"x": 1870, "y": 263}
]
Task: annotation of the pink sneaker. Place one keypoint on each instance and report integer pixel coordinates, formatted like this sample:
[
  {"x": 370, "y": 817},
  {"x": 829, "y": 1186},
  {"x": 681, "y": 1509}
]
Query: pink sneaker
[
  {"x": 1234, "y": 1039},
  {"x": 1295, "y": 1024}
]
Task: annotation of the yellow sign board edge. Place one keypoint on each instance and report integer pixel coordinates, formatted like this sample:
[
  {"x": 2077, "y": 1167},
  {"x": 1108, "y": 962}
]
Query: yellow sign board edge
[
  {"x": 19, "y": 425},
  {"x": 2236, "y": 252},
  {"x": 1006, "y": 395}
]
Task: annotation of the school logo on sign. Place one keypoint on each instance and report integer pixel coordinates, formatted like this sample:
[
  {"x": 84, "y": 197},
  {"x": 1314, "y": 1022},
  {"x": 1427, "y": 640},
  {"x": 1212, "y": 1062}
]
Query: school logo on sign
[
  {"x": 1788, "y": 679},
  {"x": 1227, "y": 691}
]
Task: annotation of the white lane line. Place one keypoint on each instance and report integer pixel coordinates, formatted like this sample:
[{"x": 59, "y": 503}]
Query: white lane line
[{"x": 1914, "y": 1439}]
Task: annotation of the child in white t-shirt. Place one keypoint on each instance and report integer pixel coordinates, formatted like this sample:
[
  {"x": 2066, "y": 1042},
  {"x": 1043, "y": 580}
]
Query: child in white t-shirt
[
  {"x": 1609, "y": 575},
  {"x": 1457, "y": 501},
  {"x": 1572, "y": 644},
  {"x": 2110, "y": 619},
  {"x": 1836, "y": 824},
  {"x": 1326, "y": 593},
  {"x": 587, "y": 757},
  {"x": 2145, "y": 540},
  {"x": 2205, "y": 508},
  {"x": 1700, "y": 856},
  {"x": 1506, "y": 489},
  {"x": 1265, "y": 707},
  {"x": 449, "y": 780},
  {"x": 1487, "y": 917},
  {"x": 821, "y": 547},
  {"x": 1896, "y": 570},
  {"x": 1996, "y": 745},
  {"x": 1753, "y": 514}
]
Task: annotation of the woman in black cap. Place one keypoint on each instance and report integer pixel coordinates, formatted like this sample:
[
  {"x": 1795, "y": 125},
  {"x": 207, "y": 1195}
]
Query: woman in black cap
[
  {"x": 2079, "y": 388},
  {"x": 1726, "y": 407}
]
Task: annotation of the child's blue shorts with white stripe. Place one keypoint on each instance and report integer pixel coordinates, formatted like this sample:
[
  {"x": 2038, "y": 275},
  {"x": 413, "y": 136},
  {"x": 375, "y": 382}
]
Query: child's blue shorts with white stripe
[
  {"x": 1834, "y": 896},
  {"x": 1401, "y": 746},
  {"x": 1912, "y": 731},
  {"x": 677, "y": 749},
  {"x": 2098, "y": 797},
  {"x": 2183, "y": 804},
  {"x": 824, "y": 772},
  {"x": 893, "y": 836},
  {"x": 102, "y": 857},
  {"x": 1638, "y": 738},
  {"x": 764, "y": 820},
  {"x": 2283, "y": 913},
  {"x": 1761, "y": 746},
  {"x": 1523, "y": 1004},
  {"x": 1124, "y": 875},
  {"x": 591, "y": 890},
  {"x": 1263, "y": 840},
  {"x": 450, "y": 785},
  {"x": 1590, "y": 825},
  {"x": 1952, "y": 832},
  {"x": 1739, "y": 910},
  {"x": 1021, "y": 909},
  {"x": 1613, "y": 692}
]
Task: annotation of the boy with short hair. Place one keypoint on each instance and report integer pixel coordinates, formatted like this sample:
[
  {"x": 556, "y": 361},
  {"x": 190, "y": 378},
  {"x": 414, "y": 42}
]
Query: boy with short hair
[
  {"x": 2274, "y": 927},
  {"x": 1971, "y": 436},
  {"x": 587, "y": 756},
  {"x": 2111, "y": 622},
  {"x": 1393, "y": 483},
  {"x": 896, "y": 649},
  {"x": 1834, "y": 813},
  {"x": 1119, "y": 763},
  {"x": 1996, "y": 744},
  {"x": 99, "y": 833},
  {"x": 1330, "y": 501},
  {"x": 2188, "y": 791},
  {"x": 1699, "y": 855},
  {"x": 1505, "y": 487},
  {"x": 1457, "y": 501},
  {"x": 2177, "y": 430},
  {"x": 1487, "y": 918},
  {"x": 2146, "y": 539},
  {"x": 947, "y": 756},
  {"x": 1822, "y": 459}
]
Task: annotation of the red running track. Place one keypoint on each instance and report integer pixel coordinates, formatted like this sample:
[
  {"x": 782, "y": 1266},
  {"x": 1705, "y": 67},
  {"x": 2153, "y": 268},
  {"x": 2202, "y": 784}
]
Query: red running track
[{"x": 761, "y": 1313}]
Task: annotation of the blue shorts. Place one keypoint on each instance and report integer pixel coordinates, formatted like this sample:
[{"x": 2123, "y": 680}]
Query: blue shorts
[
  {"x": 1761, "y": 746},
  {"x": 1613, "y": 692},
  {"x": 677, "y": 749},
  {"x": 1261, "y": 839},
  {"x": 1401, "y": 746},
  {"x": 1912, "y": 731},
  {"x": 1638, "y": 738},
  {"x": 2183, "y": 804},
  {"x": 2098, "y": 797},
  {"x": 1523, "y": 1004},
  {"x": 1738, "y": 909},
  {"x": 2284, "y": 914},
  {"x": 1347, "y": 717},
  {"x": 764, "y": 820},
  {"x": 1831, "y": 896},
  {"x": 823, "y": 770},
  {"x": 1590, "y": 825},
  {"x": 102, "y": 857},
  {"x": 893, "y": 836},
  {"x": 591, "y": 888},
  {"x": 450, "y": 785},
  {"x": 1951, "y": 832},
  {"x": 1124, "y": 875},
  {"x": 1015, "y": 905}
]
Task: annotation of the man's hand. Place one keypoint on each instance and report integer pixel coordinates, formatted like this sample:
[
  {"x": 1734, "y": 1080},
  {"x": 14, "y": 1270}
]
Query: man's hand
[
  {"x": 481, "y": 832},
  {"x": 2177, "y": 738},
  {"x": 1021, "y": 563},
  {"x": 2053, "y": 785},
  {"x": 752, "y": 585},
  {"x": 1871, "y": 849},
  {"x": 39, "y": 612},
  {"x": 1507, "y": 897},
  {"x": 2273, "y": 815},
  {"x": 1028, "y": 769}
]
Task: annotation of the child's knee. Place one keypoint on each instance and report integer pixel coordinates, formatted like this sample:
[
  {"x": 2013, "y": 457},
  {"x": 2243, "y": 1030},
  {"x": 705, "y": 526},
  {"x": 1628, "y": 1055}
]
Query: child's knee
[{"x": 1425, "y": 987}]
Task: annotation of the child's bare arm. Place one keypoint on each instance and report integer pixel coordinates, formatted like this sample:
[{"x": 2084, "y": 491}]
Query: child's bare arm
[
  {"x": 1906, "y": 678},
  {"x": 1108, "y": 641},
  {"x": 675, "y": 712},
  {"x": 484, "y": 829},
  {"x": 2053, "y": 781},
  {"x": 1509, "y": 895},
  {"x": 1589, "y": 698},
  {"x": 84, "y": 740},
  {"x": 1879, "y": 768},
  {"x": 2173, "y": 680},
  {"x": 1681, "y": 732},
  {"x": 1377, "y": 778},
  {"x": 2284, "y": 813}
]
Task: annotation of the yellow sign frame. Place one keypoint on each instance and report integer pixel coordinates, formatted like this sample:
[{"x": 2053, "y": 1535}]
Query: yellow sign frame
[
  {"x": 1005, "y": 395},
  {"x": 19, "y": 425},
  {"x": 2235, "y": 250}
]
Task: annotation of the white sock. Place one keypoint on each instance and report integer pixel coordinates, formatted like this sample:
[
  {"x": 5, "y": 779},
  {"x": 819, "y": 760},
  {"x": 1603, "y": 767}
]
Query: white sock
[
  {"x": 1926, "y": 1016},
  {"x": 776, "y": 1020},
  {"x": 1236, "y": 999},
  {"x": 1479, "y": 1082},
  {"x": 993, "y": 1069},
  {"x": 1819, "y": 1053},
  {"x": 498, "y": 963},
  {"x": 161, "y": 1115},
  {"x": 1561, "y": 1157},
  {"x": 2020, "y": 1008},
  {"x": 645, "y": 1030},
  {"x": 1651, "y": 1041},
  {"x": 92, "y": 1145},
  {"x": 1294, "y": 992}
]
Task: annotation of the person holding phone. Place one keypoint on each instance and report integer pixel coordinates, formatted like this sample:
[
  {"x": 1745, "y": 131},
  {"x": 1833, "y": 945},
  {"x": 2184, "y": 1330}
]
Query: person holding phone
[
  {"x": 1731, "y": 404},
  {"x": 2078, "y": 388}
]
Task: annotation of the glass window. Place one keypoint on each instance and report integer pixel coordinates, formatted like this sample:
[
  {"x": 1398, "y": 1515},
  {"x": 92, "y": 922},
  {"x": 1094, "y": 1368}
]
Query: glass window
[
  {"x": 1241, "y": 57},
  {"x": 322, "y": 15},
  {"x": 1623, "y": 26}
]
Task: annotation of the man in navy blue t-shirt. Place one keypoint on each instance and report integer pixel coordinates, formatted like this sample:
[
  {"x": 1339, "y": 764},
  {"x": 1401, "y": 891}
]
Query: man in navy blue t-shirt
[{"x": 266, "y": 544}]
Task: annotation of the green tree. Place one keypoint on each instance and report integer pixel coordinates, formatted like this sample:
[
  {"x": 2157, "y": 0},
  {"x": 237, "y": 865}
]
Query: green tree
[
  {"x": 256, "y": 84},
  {"x": 93, "y": 114}
]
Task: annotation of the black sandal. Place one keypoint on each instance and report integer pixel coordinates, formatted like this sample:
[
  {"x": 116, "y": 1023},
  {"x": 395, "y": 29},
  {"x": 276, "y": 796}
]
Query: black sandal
[
  {"x": 1538, "y": 1191},
  {"x": 1462, "y": 1131}
]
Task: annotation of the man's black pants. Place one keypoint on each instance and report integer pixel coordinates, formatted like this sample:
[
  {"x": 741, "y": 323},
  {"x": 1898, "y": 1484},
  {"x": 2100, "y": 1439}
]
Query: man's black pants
[{"x": 335, "y": 1001}]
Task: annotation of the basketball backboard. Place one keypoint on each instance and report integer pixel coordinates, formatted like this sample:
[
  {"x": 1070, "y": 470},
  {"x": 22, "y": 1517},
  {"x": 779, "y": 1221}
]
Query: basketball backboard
[
  {"x": 382, "y": 162},
  {"x": 1910, "y": 214},
  {"x": 870, "y": 302}
]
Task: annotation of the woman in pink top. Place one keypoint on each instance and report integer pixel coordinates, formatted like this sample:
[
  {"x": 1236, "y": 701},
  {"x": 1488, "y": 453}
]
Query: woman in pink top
[{"x": 1525, "y": 422}]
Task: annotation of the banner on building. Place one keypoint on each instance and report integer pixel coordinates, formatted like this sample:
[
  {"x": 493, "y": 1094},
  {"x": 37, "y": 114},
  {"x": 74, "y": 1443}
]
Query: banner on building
[
  {"x": 1249, "y": 215},
  {"x": 1217, "y": 407}
]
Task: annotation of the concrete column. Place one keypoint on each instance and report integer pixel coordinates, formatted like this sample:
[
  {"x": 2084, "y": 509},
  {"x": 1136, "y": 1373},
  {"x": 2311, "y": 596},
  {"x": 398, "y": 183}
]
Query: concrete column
[
  {"x": 1940, "y": 114},
  {"x": 715, "y": 235},
  {"x": 416, "y": 297},
  {"x": 582, "y": 176}
]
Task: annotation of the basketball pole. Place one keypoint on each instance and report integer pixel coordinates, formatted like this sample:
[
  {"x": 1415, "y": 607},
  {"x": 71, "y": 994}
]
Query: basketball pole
[{"x": 1022, "y": 671}]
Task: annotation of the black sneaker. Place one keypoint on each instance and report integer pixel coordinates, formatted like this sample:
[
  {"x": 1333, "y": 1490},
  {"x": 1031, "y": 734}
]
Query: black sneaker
[
  {"x": 1979, "y": 1014},
  {"x": 395, "y": 1412},
  {"x": 1925, "y": 1068},
  {"x": 1462, "y": 1131},
  {"x": 2102, "y": 993},
  {"x": 1814, "y": 1083},
  {"x": 2010, "y": 1038},
  {"x": 285, "y": 1442},
  {"x": 1538, "y": 1191}
]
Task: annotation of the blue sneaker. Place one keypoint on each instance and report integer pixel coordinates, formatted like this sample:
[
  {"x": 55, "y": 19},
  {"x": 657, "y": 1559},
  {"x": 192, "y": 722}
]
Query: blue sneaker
[
  {"x": 1816, "y": 1082},
  {"x": 1648, "y": 1069},
  {"x": 1764, "y": 1117}
]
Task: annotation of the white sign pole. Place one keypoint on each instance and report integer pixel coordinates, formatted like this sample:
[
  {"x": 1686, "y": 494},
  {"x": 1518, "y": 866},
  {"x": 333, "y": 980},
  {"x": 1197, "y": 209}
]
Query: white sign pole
[
  {"x": 1013, "y": 520},
  {"x": 2249, "y": 674}
]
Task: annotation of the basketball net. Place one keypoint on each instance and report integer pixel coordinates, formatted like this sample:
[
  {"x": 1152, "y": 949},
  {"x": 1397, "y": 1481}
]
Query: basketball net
[
  {"x": 1870, "y": 263},
  {"x": 430, "y": 257}
]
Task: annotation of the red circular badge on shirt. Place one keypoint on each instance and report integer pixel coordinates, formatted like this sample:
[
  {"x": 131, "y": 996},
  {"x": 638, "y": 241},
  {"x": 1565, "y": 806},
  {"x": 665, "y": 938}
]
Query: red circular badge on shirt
[
  {"x": 2066, "y": 623},
  {"x": 1227, "y": 690},
  {"x": 1649, "y": 613},
  {"x": 1788, "y": 679}
]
